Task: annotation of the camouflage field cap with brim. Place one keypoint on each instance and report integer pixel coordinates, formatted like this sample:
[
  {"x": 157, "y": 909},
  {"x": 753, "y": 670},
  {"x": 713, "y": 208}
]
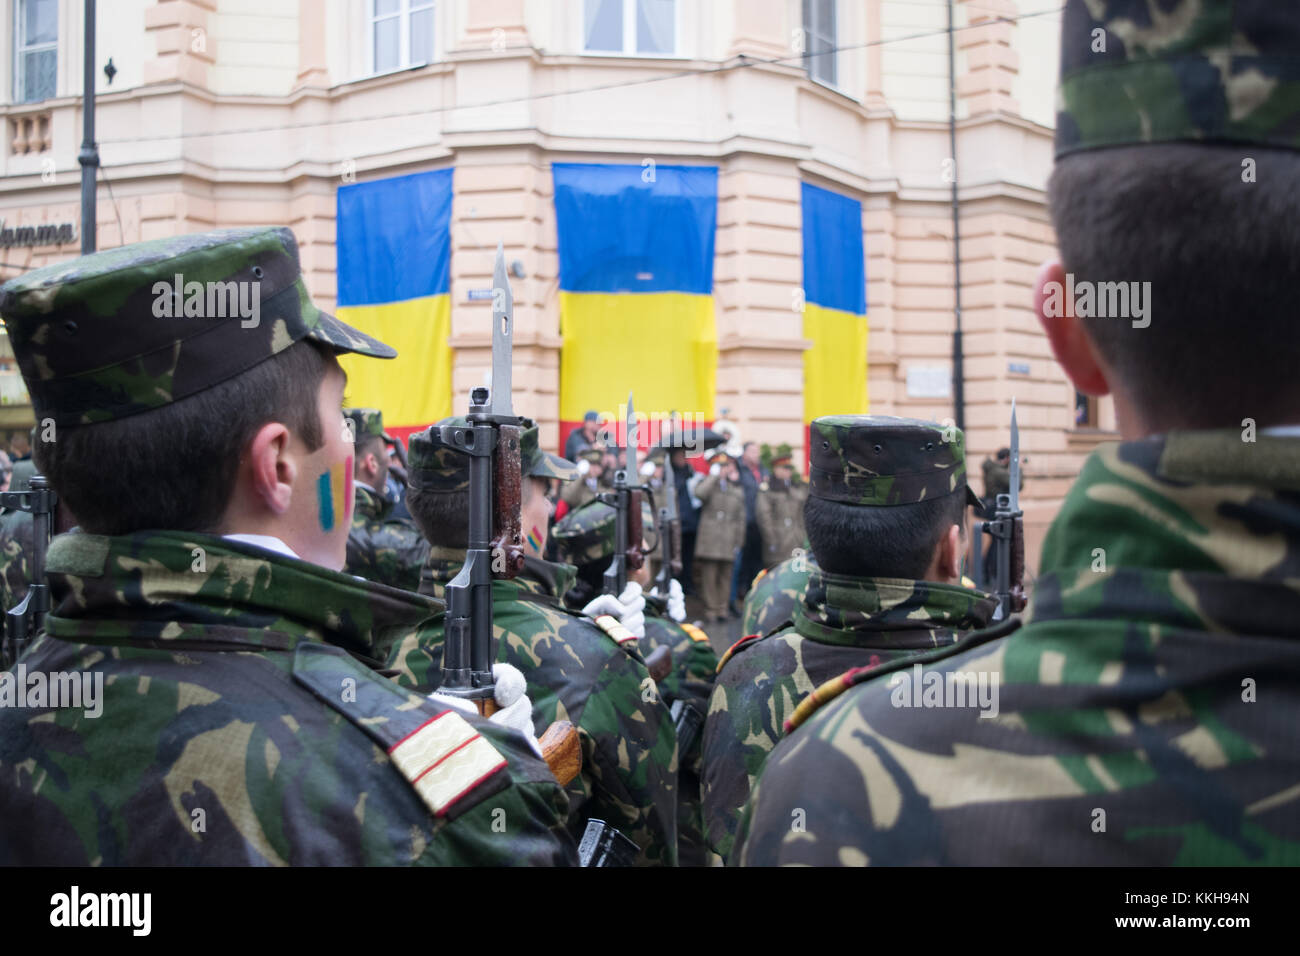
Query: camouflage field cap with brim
[
  {"x": 432, "y": 465},
  {"x": 593, "y": 456},
  {"x": 1160, "y": 71},
  {"x": 881, "y": 460},
  {"x": 110, "y": 335},
  {"x": 366, "y": 422},
  {"x": 586, "y": 535}
]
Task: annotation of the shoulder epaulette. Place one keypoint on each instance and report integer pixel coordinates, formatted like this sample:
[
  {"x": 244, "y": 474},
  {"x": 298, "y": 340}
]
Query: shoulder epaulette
[
  {"x": 695, "y": 633},
  {"x": 442, "y": 756},
  {"x": 615, "y": 629},
  {"x": 740, "y": 645},
  {"x": 824, "y": 693},
  {"x": 758, "y": 577}
]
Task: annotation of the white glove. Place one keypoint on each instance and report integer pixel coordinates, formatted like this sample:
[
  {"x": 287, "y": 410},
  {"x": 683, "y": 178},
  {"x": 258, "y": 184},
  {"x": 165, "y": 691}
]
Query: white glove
[
  {"x": 515, "y": 710},
  {"x": 676, "y": 601},
  {"x": 715, "y": 469},
  {"x": 584, "y": 466},
  {"x": 628, "y": 607},
  {"x": 647, "y": 469}
]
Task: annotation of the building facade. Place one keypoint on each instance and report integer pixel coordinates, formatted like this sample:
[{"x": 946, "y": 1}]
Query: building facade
[{"x": 224, "y": 113}]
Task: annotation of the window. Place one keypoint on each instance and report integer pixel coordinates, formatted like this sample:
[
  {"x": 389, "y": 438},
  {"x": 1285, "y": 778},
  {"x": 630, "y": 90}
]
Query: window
[
  {"x": 819, "y": 39},
  {"x": 36, "y": 55},
  {"x": 401, "y": 33},
  {"x": 1085, "y": 411},
  {"x": 633, "y": 27}
]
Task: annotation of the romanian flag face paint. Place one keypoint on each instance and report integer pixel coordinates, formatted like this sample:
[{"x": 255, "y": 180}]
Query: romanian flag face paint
[
  {"x": 835, "y": 306},
  {"x": 535, "y": 539},
  {"x": 636, "y": 290},
  {"x": 394, "y": 268},
  {"x": 334, "y": 495}
]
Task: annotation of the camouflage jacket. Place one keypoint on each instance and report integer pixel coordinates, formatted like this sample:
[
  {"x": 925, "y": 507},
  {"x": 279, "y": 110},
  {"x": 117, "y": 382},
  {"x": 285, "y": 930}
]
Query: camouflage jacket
[
  {"x": 770, "y": 602},
  {"x": 779, "y": 512},
  {"x": 1120, "y": 725},
  {"x": 238, "y": 723},
  {"x": 383, "y": 548},
  {"x": 722, "y": 518},
  {"x": 841, "y": 623},
  {"x": 691, "y": 681},
  {"x": 576, "y": 672},
  {"x": 16, "y": 543}
]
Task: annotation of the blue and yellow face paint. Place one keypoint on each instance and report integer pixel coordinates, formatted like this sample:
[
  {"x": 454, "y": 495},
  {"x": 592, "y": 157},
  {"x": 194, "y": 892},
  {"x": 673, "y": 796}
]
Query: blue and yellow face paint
[{"x": 334, "y": 493}]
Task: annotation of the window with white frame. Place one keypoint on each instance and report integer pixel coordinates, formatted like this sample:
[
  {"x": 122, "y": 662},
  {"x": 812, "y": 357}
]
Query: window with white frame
[
  {"x": 401, "y": 34},
  {"x": 36, "y": 54},
  {"x": 632, "y": 27},
  {"x": 819, "y": 39}
]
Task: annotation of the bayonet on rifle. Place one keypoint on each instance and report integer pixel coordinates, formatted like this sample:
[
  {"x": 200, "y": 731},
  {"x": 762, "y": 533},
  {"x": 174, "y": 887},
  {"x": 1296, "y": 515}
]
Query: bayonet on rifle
[
  {"x": 1007, "y": 531},
  {"x": 627, "y": 527},
  {"x": 491, "y": 441},
  {"x": 670, "y": 531}
]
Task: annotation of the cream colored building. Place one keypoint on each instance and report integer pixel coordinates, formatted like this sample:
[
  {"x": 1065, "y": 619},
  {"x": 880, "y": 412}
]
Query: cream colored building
[{"x": 234, "y": 112}]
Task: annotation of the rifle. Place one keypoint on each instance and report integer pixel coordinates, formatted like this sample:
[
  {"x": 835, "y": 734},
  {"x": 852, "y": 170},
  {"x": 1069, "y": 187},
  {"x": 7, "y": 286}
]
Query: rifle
[
  {"x": 626, "y": 498},
  {"x": 490, "y": 440},
  {"x": 670, "y": 531},
  {"x": 24, "y": 621},
  {"x": 1008, "y": 534}
]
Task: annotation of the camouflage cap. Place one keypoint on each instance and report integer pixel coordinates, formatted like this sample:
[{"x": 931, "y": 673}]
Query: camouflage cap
[
  {"x": 586, "y": 535},
  {"x": 592, "y": 456},
  {"x": 433, "y": 466},
  {"x": 1225, "y": 71},
  {"x": 120, "y": 332},
  {"x": 366, "y": 422},
  {"x": 881, "y": 460}
]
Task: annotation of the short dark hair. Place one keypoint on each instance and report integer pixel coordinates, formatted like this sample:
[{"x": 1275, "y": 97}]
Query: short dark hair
[
  {"x": 174, "y": 468},
  {"x": 893, "y": 542},
  {"x": 1223, "y": 259},
  {"x": 441, "y": 516}
]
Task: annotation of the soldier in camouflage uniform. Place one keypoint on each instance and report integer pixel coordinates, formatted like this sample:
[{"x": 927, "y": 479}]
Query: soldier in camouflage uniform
[
  {"x": 780, "y": 512},
  {"x": 16, "y": 543},
  {"x": 236, "y": 720},
  {"x": 380, "y": 547},
  {"x": 586, "y": 540},
  {"x": 872, "y": 597},
  {"x": 576, "y": 670},
  {"x": 1130, "y": 727},
  {"x": 770, "y": 602}
]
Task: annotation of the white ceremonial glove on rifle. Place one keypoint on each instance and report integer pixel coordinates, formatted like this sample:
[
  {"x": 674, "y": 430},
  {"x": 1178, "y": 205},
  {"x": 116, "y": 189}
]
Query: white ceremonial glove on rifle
[
  {"x": 676, "y": 600},
  {"x": 715, "y": 469},
  {"x": 628, "y": 608},
  {"x": 515, "y": 709},
  {"x": 647, "y": 469},
  {"x": 584, "y": 466}
]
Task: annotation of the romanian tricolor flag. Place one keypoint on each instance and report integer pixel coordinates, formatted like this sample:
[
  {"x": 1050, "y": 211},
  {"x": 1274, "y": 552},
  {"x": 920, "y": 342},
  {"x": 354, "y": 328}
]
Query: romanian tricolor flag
[
  {"x": 636, "y": 290},
  {"x": 835, "y": 306},
  {"x": 394, "y": 268}
]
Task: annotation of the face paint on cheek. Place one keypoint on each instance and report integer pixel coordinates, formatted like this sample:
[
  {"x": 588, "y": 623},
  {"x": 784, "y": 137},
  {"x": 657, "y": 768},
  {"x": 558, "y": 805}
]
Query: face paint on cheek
[
  {"x": 535, "y": 539},
  {"x": 334, "y": 494}
]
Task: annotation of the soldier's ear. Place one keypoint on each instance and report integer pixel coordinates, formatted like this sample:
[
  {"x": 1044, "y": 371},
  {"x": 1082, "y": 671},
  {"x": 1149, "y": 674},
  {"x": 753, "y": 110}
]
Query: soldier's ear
[
  {"x": 1070, "y": 343},
  {"x": 948, "y": 555},
  {"x": 270, "y": 469}
]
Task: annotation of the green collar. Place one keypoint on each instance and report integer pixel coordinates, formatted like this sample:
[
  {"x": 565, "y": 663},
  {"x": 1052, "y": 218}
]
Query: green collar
[
  {"x": 1198, "y": 530},
  {"x": 164, "y": 586},
  {"x": 837, "y": 609}
]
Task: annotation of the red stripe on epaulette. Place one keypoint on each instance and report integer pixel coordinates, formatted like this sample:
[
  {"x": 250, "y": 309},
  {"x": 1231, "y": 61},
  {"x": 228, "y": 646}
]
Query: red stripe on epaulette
[
  {"x": 735, "y": 647},
  {"x": 825, "y": 692}
]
